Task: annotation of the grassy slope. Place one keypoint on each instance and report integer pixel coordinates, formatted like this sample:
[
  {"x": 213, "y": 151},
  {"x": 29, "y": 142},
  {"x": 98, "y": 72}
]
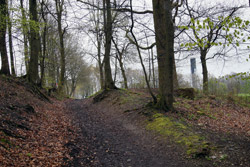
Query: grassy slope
[{"x": 204, "y": 127}]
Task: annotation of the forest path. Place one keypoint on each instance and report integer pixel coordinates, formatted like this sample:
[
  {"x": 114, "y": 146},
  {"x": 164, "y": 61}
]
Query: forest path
[{"x": 109, "y": 139}]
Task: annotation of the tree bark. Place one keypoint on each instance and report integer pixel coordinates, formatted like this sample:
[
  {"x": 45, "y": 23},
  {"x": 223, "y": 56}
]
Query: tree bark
[
  {"x": 204, "y": 71},
  {"x": 125, "y": 81},
  {"x": 176, "y": 84},
  {"x": 153, "y": 67},
  {"x": 109, "y": 83},
  {"x": 44, "y": 44},
  {"x": 59, "y": 10},
  {"x": 3, "y": 49},
  {"x": 165, "y": 51},
  {"x": 13, "y": 72},
  {"x": 34, "y": 44},
  {"x": 100, "y": 64},
  {"x": 119, "y": 58},
  {"x": 25, "y": 38}
]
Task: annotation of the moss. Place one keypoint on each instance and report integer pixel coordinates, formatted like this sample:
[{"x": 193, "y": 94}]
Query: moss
[
  {"x": 29, "y": 154},
  {"x": 129, "y": 97},
  {"x": 195, "y": 144},
  {"x": 95, "y": 94},
  {"x": 5, "y": 141}
]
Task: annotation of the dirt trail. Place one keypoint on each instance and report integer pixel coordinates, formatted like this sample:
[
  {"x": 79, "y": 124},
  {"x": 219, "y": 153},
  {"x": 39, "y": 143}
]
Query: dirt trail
[{"x": 110, "y": 139}]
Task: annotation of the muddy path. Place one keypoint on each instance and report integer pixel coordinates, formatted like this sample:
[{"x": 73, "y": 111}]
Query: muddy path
[{"x": 107, "y": 138}]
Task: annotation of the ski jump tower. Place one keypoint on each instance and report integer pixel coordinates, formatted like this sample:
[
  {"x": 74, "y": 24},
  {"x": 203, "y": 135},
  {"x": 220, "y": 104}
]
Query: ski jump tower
[{"x": 193, "y": 72}]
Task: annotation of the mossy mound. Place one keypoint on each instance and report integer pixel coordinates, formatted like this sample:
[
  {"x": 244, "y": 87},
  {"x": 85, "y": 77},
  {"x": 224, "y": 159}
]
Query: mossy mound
[
  {"x": 185, "y": 92},
  {"x": 195, "y": 144}
]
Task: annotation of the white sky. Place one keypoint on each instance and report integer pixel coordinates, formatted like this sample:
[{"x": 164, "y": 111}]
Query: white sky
[
  {"x": 218, "y": 67},
  {"x": 215, "y": 67}
]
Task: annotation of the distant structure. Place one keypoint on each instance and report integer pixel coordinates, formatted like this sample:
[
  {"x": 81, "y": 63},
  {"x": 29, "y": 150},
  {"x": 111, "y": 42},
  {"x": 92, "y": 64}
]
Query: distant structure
[{"x": 193, "y": 72}]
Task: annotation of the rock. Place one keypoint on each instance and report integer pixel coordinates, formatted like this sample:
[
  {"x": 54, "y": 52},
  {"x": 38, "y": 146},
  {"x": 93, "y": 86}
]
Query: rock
[
  {"x": 213, "y": 157},
  {"x": 200, "y": 124},
  {"x": 188, "y": 93},
  {"x": 248, "y": 133}
]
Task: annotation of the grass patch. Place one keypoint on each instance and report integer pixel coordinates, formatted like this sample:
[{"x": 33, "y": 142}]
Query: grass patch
[
  {"x": 95, "y": 94},
  {"x": 243, "y": 95},
  {"x": 196, "y": 145},
  {"x": 242, "y": 99},
  {"x": 5, "y": 141},
  {"x": 128, "y": 97}
]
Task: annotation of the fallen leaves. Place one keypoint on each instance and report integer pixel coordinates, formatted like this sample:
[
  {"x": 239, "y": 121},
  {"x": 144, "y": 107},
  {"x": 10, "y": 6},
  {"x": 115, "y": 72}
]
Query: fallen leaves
[
  {"x": 38, "y": 130},
  {"x": 218, "y": 115}
]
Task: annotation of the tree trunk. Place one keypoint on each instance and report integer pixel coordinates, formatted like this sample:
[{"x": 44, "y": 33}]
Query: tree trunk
[
  {"x": 176, "y": 84},
  {"x": 119, "y": 58},
  {"x": 13, "y": 72},
  {"x": 153, "y": 67},
  {"x": 34, "y": 44},
  {"x": 100, "y": 64},
  {"x": 115, "y": 74},
  {"x": 3, "y": 49},
  {"x": 109, "y": 83},
  {"x": 125, "y": 81},
  {"x": 101, "y": 75},
  {"x": 25, "y": 39},
  {"x": 59, "y": 10},
  {"x": 73, "y": 87},
  {"x": 149, "y": 61},
  {"x": 44, "y": 48},
  {"x": 165, "y": 51},
  {"x": 204, "y": 71}
]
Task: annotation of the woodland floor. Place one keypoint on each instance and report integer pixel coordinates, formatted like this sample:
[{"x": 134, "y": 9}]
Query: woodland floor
[{"x": 112, "y": 130}]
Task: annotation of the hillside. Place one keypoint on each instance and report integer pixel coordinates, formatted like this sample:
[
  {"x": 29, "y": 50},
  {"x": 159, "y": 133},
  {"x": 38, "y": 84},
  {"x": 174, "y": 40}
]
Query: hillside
[
  {"x": 120, "y": 128},
  {"x": 33, "y": 129},
  {"x": 212, "y": 131}
]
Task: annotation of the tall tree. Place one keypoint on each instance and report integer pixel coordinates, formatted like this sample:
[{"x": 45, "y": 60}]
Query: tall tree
[
  {"x": 119, "y": 57},
  {"x": 164, "y": 29},
  {"x": 98, "y": 31},
  {"x": 109, "y": 83},
  {"x": 10, "y": 41},
  {"x": 3, "y": 49},
  {"x": 44, "y": 14},
  {"x": 34, "y": 43},
  {"x": 214, "y": 29},
  {"x": 61, "y": 32},
  {"x": 25, "y": 36},
  {"x": 140, "y": 56}
]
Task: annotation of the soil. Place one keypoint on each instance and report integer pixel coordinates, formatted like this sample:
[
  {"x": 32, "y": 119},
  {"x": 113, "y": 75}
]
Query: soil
[
  {"x": 114, "y": 140},
  {"x": 114, "y": 134},
  {"x": 110, "y": 130}
]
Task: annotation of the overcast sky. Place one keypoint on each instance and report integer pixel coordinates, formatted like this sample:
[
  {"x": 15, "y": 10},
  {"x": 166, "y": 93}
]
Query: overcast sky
[
  {"x": 220, "y": 67},
  {"x": 216, "y": 67}
]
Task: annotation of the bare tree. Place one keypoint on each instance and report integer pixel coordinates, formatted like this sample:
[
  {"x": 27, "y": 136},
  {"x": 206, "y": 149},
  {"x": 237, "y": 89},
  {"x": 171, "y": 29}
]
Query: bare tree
[
  {"x": 44, "y": 15},
  {"x": 34, "y": 43},
  {"x": 61, "y": 31},
  {"x": 10, "y": 41},
  {"x": 164, "y": 29},
  {"x": 119, "y": 57},
  {"x": 109, "y": 83},
  {"x": 140, "y": 56},
  {"x": 3, "y": 49},
  {"x": 25, "y": 36},
  {"x": 208, "y": 38}
]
